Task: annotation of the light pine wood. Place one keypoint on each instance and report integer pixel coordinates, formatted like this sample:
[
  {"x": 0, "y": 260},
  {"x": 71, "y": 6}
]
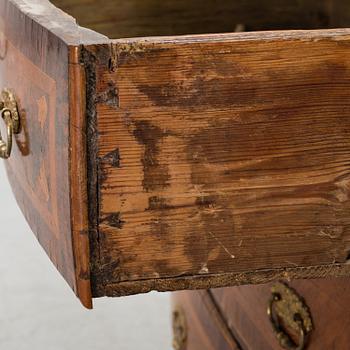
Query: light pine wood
[{"x": 221, "y": 154}]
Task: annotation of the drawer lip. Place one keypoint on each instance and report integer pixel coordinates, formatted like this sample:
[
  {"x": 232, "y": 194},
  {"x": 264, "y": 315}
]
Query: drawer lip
[{"x": 274, "y": 35}]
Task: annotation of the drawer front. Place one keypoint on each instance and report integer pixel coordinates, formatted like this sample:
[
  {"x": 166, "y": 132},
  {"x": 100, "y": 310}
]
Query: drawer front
[
  {"x": 220, "y": 159},
  {"x": 198, "y": 325},
  {"x": 244, "y": 309},
  {"x": 35, "y": 65}
]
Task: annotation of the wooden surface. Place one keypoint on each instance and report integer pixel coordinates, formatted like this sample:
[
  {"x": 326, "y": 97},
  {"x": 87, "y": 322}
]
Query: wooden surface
[
  {"x": 43, "y": 13},
  {"x": 206, "y": 328},
  {"x": 244, "y": 310},
  {"x": 78, "y": 176},
  {"x": 184, "y": 162},
  {"x": 40, "y": 82},
  {"x": 121, "y": 19},
  {"x": 220, "y": 155}
]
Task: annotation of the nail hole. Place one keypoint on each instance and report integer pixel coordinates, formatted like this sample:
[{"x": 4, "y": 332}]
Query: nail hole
[
  {"x": 297, "y": 317},
  {"x": 277, "y": 296},
  {"x": 111, "y": 66}
]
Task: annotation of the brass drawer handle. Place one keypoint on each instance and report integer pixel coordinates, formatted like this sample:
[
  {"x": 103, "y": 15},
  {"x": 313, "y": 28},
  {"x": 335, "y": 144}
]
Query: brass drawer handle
[
  {"x": 9, "y": 113},
  {"x": 287, "y": 308}
]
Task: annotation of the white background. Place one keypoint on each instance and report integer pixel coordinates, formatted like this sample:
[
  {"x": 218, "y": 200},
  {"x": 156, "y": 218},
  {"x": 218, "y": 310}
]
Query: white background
[{"x": 38, "y": 311}]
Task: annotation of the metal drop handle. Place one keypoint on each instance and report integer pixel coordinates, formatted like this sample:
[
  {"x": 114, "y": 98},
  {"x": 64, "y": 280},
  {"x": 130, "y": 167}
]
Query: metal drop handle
[
  {"x": 287, "y": 306},
  {"x": 9, "y": 114}
]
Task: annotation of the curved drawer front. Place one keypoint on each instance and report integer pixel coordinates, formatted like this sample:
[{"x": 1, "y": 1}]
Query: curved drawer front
[
  {"x": 328, "y": 301},
  {"x": 236, "y": 318},
  {"x": 34, "y": 65},
  {"x": 198, "y": 325},
  {"x": 35, "y": 68}
]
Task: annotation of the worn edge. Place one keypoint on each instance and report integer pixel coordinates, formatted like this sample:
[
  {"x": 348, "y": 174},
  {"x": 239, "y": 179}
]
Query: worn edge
[
  {"x": 78, "y": 177},
  {"x": 89, "y": 61},
  {"x": 223, "y": 280},
  {"x": 258, "y": 36},
  {"x": 58, "y": 22}
]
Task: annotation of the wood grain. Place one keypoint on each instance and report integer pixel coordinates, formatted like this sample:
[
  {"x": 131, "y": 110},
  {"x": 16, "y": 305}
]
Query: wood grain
[
  {"x": 244, "y": 310},
  {"x": 185, "y": 161},
  {"x": 134, "y": 18},
  {"x": 221, "y": 154},
  {"x": 78, "y": 176}
]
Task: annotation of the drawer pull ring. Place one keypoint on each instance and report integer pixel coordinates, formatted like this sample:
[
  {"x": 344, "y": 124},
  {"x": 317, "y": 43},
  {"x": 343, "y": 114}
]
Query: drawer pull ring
[
  {"x": 9, "y": 114},
  {"x": 286, "y": 310}
]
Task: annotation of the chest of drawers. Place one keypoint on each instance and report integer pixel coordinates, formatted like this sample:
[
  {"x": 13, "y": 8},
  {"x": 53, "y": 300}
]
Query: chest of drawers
[
  {"x": 167, "y": 161},
  {"x": 236, "y": 318}
]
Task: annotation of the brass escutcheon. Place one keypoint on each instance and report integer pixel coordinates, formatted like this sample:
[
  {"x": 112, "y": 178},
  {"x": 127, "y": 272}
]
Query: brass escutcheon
[
  {"x": 287, "y": 308},
  {"x": 179, "y": 329},
  {"x": 9, "y": 113}
]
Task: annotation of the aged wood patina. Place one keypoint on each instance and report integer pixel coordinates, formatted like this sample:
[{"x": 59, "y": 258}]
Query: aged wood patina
[
  {"x": 236, "y": 318},
  {"x": 181, "y": 162}
]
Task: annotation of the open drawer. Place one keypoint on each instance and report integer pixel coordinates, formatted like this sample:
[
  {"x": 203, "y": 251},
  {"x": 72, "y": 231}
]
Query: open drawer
[{"x": 167, "y": 162}]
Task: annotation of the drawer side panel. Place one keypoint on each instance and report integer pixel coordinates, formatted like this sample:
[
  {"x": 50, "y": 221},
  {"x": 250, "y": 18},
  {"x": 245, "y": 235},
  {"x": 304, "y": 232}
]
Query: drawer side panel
[{"x": 222, "y": 155}]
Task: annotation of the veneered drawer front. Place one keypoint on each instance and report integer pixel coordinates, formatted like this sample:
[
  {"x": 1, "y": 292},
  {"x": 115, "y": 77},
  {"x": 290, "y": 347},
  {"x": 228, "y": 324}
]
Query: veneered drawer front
[
  {"x": 244, "y": 309},
  {"x": 198, "y": 324},
  {"x": 222, "y": 159},
  {"x": 35, "y": 65},
  {"x": 38, "y": 166}
]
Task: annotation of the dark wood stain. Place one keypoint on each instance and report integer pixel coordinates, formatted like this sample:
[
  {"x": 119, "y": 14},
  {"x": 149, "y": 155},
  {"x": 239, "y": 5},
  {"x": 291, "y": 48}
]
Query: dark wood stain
[
  {"x": 156, "y": 203},
  {"x": 232, "y": 162},
  {"x": 156, "y": 175},
  {"x": 113, "y": 220},
  {"x": 109, "y": 96},
  {"x": 112, "y": 158}
]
